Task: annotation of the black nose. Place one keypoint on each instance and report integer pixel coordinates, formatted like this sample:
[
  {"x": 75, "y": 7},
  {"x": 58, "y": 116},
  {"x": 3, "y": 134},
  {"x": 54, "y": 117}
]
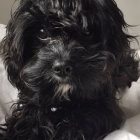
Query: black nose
[{"x": 62, "y": 69}]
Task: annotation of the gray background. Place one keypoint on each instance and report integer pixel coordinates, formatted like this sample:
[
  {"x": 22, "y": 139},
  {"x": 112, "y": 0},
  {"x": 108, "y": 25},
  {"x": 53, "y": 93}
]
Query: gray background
[{"x": 130, "y": 8}]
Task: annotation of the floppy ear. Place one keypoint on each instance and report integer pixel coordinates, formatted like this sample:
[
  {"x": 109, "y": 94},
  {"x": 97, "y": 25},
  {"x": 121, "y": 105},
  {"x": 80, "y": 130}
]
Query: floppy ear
[
  {"x": 12, "y": 49},
  {"x": 13, "y": 45},
  {"x": 116, "y": 40}
]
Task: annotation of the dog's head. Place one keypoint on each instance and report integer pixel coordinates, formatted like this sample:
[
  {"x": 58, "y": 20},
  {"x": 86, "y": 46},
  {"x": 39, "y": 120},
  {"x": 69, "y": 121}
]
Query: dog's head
[{"x": 68, "y": 47}]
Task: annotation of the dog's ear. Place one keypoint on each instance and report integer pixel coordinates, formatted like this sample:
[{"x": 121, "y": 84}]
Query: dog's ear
[
  {"x": 12, "y": 49},
  {"x": 13, "y": 45},
  {"x": 114, "y": 38}
]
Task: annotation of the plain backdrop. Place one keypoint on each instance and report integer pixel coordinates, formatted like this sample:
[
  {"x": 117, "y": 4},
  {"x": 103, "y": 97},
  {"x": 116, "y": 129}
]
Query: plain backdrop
[{"x": 130, "y": 8}]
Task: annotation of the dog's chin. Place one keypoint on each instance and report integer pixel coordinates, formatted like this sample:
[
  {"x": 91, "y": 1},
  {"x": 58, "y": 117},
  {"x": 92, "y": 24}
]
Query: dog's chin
[{"x": 63, "y": 87}]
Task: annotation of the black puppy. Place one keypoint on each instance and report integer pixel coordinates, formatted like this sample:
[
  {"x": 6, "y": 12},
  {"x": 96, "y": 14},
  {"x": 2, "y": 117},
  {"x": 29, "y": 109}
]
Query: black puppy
[{"x": 67, "y": 58}]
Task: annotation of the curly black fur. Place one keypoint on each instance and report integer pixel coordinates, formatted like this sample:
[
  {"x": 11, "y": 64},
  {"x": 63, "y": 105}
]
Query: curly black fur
[{"x": 86, "y": 36}]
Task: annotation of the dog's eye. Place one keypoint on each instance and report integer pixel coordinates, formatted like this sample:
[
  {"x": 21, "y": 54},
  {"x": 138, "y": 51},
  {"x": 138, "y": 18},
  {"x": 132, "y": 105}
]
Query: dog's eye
[{"x": 43, "y": 34}]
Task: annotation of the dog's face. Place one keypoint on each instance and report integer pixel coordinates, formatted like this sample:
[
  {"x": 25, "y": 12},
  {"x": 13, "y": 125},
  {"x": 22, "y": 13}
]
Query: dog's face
[{"x": 66, "y": 48}]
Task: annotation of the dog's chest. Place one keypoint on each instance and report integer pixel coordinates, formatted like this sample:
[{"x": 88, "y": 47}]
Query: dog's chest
[{"x": 69, "y": 112}]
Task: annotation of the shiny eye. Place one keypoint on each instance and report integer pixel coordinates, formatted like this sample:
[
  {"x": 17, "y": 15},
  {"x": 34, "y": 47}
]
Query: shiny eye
[{"x": 42, "y": 34}]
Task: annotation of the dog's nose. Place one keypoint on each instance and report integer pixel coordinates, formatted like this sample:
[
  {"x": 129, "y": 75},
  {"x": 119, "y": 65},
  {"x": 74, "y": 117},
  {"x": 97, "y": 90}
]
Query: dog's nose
[{"x": 62, "y": 69}]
